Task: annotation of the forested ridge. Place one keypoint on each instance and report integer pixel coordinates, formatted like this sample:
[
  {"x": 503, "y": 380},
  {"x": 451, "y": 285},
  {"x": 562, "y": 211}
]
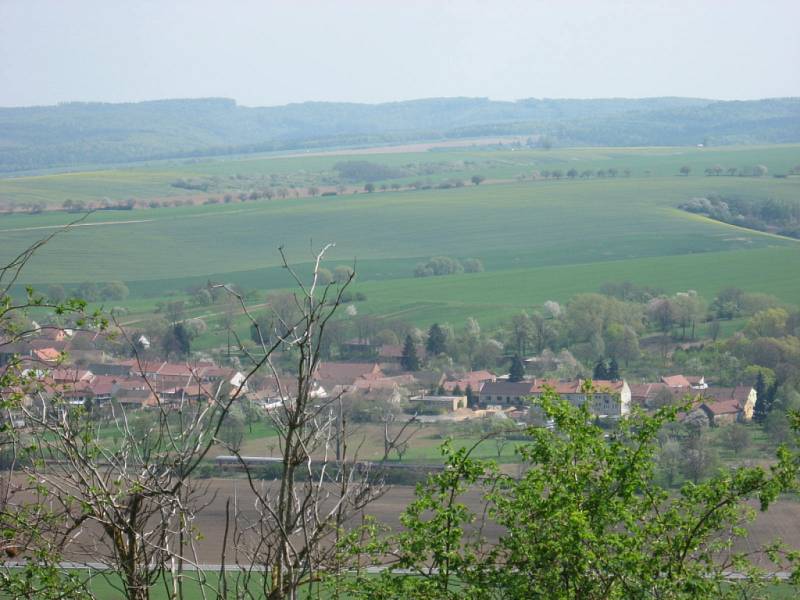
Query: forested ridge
[{"x": 74, "y": 134}]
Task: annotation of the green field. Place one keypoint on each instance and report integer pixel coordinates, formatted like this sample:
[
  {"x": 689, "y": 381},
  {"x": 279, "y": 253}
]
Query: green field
[
  {"x": 538, "y": 240},
  {"x": 153, "y": 181}
]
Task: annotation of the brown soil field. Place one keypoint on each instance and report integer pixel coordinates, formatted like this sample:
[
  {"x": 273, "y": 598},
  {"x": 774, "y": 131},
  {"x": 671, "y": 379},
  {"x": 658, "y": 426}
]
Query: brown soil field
[{"x": 781, "y": 521}]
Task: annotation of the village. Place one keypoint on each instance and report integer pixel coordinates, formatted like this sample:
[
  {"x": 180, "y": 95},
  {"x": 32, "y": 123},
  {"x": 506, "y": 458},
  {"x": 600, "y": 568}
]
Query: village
[{"x": 68, "y": 368}]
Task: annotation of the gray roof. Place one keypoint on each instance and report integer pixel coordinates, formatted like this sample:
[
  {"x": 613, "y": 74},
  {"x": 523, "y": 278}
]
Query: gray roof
[{"x": 507, "y": 388}]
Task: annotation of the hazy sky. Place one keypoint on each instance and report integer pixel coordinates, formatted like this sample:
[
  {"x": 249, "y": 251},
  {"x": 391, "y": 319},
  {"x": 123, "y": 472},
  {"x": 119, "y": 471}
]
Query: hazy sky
[{"x": 267, "y": 53}]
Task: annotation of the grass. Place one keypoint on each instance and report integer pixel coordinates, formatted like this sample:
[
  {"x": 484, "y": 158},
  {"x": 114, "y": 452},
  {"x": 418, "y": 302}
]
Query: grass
[
  {"x": 153, "y": 181},
  {"x": 538, "y": 240},
  {"x": 107, "y": 587}
]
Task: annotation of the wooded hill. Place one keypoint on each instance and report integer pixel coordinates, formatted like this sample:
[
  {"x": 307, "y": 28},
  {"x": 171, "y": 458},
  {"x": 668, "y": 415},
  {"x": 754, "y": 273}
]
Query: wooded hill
[{"x": 73, "y": 134}]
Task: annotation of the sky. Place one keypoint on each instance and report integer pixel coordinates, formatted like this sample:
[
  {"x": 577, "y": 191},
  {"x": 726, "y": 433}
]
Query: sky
[{"x": 266, "y": 53}]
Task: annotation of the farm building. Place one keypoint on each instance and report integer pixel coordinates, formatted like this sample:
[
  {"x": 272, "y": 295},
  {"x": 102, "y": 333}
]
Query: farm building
[
  {"x": 443, "y": 403},
  {"x": 608, "y": 398}
]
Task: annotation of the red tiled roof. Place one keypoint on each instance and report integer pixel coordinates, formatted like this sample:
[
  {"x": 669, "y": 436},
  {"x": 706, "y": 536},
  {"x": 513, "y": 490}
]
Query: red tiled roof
[
  {"x": 473, "y": 379},
  {"x": 740, "y": 393},
  {"x": 179, "y": 370},
  {"x": 345, "y": 372},
  {"x": 678, "y": 381},
  {"x": 71, "y": 374},
  {"x": 378, "y": 382},
  {"x": 103, "y": 385},
  {"x": 723, "y": 407},
  {"x": 47, "y": 354},
  {"x": 643, "y": 391},
  {"x": 131, "y": 383}
]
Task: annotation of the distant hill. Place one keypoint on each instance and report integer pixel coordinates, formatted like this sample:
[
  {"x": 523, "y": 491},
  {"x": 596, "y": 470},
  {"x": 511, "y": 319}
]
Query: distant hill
[{"x": 74, "y": 134}]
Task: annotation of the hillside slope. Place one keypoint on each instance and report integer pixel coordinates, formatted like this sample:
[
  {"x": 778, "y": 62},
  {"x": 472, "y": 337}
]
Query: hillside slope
[{"x": 74, "y": 134}]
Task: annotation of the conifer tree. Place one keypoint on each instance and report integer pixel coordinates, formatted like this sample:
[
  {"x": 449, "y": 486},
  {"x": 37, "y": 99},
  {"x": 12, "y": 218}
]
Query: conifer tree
[
  {"x": 436, "y": 340},
  {"x": 409, "y": 361},
  {"x": 613, "y": 370},
  {"x": 760, "y": 409},
  {"x": 772, "y": 392},
  {"x": 472, "y": 398},
  {"x": 517, "y": 372},
  {"x": 600, "y": 371}
]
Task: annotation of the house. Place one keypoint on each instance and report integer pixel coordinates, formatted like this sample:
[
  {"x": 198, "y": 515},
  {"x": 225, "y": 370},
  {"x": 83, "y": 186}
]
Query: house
[
  {"x": 52, "y": 333},
  {"x": 394, "y": 384},
  {"x": 115, "y": 369},
  {"x": 506, "y": 393},
  {"x": 608, "y": 398},
  {"x": 330, "y": 374},
  {"x": 47, "y": 355},
  {"x": 143, "y": 342},
  {"x": 135, "y": 399},
  {"x": 687, "y": 382},
  {"x": 698, "y": 382},
  {"x": 440, "y": 403},
  {"x": 473, "y": 380},
  {"x": 375, "y": 396},
  {"x": 643, "y": 394},
  {"x": 728, "y": 405},
  {"x": 675, "y": 381},
  {"x": 64, "y": 375},
  {"x": 276, "y": 392}
]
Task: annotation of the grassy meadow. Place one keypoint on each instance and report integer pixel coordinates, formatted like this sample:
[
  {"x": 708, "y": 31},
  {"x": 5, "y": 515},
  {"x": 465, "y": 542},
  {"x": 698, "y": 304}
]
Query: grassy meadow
[{"x": 538, "y": 239}]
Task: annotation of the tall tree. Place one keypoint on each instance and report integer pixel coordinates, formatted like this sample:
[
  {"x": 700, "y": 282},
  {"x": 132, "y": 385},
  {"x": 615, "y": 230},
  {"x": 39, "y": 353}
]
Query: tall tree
[
  {"x": 517, "y": 372},
  {"x": 472, "y": 398},
  {"x": 600, "y": 371},
  {"x": 522, "y": 331},
  {"x": 613, "y": 370},
  {"x": 409, "y": 360},
  {"x": 772, "y": 393},
  {"x": 760, "y": 409},
  {"x": 437, "y": 340}
]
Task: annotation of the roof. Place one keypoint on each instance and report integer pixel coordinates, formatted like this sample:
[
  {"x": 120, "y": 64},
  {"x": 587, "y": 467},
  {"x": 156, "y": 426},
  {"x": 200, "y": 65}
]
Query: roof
[
  {"x": 378, "y": 382},
  {"x": 47, "y": 354},
  {"x": 131, "y": 383},
  {"x": 740, "y": 393},
  {"x": 51, "y": 332},
  {"x": 219, "y": 372},
  {"x": 507, "y": 388},
  {"x": 71, "y": 374},
  {"x": 722, "y": 407},
  {"x": 345, "y": 372},
  {"x": 103, "y": 385},
  {"x": 643, "y": 391},
  {"x": 473, "y": 379},
  {"x": 678, "y": 381},
  {"x": 110, "y": 368},
  {"x": 463, "y": 384},
  {"x": 179, "y": 370},
  {"x": 576, "y": 386},
  {"x": 142, "y": 397}
]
